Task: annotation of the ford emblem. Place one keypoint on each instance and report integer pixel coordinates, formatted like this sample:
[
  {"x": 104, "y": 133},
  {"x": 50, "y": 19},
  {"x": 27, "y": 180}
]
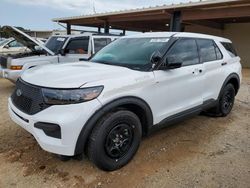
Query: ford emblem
[{"x": 18, "y": 92}]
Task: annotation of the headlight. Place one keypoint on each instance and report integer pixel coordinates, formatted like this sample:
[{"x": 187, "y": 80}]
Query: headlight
[{"x": 70, "y": 96}]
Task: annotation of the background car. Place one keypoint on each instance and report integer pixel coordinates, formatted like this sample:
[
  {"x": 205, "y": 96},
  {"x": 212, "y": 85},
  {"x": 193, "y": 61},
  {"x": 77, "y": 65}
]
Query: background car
[
  {"x": 57, "y": 49},
  {"x": 11, "y": 46}
]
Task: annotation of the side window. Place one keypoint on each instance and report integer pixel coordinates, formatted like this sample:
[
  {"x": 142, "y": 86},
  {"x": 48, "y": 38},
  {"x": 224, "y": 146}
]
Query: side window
[
  {"x": 218, "y": 52},
  {"x": 78, "y": 46},
  {"x": 15, "y": 44},
  {"x": 99, "y": 43},
  {"x": 186, "y": 50},
  {"x": 207, "y": 50},
  {"x": 230, "y": 49}
]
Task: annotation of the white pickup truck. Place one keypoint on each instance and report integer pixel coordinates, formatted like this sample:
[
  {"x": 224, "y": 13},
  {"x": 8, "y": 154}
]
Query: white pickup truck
[{"x": 58, "y": 49}]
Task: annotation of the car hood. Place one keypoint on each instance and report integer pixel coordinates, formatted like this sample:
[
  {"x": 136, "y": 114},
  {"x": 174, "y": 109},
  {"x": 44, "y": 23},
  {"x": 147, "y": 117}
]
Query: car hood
[
  {"x": 25, "y": 39},
  {"x": 72, "y": 75}
]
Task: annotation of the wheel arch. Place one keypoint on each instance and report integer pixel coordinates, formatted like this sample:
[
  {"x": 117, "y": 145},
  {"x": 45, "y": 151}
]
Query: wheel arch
[
  {"x": 133, "y": 104},
  {"x": 234, "y": 79}
]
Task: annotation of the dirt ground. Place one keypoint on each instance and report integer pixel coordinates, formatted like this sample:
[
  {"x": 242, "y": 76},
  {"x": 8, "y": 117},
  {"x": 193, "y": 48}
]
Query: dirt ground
[{"x": 200, "y": 152}]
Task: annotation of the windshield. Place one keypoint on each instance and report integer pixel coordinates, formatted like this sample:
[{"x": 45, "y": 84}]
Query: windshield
[
  {"x": 4, "y": 42},
  {"x": 134, "y": 53},
  {"x": 55, "y": 44}
]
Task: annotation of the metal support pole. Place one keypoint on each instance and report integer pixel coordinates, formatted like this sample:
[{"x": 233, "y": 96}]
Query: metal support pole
[
  {"x": 124, "y": 32},
  {"x": 175, "y": 23},
  {"x": 106, "y": 27},
  {"x": 68, "y": 29},
  {"x": 99, "y": 30}
]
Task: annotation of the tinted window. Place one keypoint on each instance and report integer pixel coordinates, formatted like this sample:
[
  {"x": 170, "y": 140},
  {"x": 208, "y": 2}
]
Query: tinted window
[
  {"x": 78, "y": 46},
  {"x": 230, "y": 49},
  {"x": 186, "y": 50},
  {"x": 207, "y": 50},
  {"x": 100, "y": 43}
]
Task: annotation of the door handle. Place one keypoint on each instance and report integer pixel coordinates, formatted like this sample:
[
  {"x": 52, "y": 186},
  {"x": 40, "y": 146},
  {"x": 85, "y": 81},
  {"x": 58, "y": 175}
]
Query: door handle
[{"x": 224, "y": 63}]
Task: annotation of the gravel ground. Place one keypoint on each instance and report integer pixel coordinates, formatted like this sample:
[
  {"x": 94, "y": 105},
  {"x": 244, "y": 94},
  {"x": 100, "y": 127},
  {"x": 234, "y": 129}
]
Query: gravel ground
[{"x": 200, "y": 152}]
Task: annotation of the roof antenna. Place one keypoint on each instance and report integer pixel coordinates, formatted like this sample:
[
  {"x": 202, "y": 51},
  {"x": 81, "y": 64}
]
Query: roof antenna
[{"x": 94, "y": 7}]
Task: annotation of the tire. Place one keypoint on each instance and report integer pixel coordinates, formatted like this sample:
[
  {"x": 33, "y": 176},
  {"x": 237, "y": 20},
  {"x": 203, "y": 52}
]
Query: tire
[
  {"x": 225, "y": 103},
  {"x": 115, "y": 140}
]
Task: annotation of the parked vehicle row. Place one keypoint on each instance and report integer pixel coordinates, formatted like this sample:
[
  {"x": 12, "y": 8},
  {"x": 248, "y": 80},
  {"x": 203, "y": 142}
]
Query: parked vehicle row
[
  {"x": 57, "y": 49},
  {"x": 131, "y": 87}
]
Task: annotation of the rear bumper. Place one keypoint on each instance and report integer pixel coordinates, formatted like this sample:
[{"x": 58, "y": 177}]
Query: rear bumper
[{"x": 70, "y": 118}]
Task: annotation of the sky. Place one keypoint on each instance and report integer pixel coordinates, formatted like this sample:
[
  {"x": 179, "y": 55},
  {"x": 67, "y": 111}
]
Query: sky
[{"x": 37, "y": 14}]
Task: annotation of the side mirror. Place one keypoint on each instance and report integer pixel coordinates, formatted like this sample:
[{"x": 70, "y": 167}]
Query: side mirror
[
  {"x": 156, "y": 57},
  {"x": 172, "y": 62},
  {"x": 7, "y": 46},
  {"x": 62, "y": 52}
]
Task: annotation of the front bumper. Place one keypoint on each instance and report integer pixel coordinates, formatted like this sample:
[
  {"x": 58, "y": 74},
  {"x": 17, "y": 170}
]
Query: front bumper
[
  {"x": 11, "y": 75},
  {"x": 70, "y": 118}
]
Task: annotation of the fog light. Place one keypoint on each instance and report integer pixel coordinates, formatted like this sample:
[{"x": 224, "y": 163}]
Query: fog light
[{"x": 50, "y": 129}]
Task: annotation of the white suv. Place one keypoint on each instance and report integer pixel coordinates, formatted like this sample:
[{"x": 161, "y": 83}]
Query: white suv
[
  {"x": 58, "y": 49},
  {"x": 133, "y": 86}
]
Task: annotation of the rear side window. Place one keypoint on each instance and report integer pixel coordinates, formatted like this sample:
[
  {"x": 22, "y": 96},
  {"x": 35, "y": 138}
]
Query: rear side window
[
  {"x": 230, "y": 49},
  {"x": 186, "y": 50},
  {"x": 99, "y": 43},
  {"x": 218, "y": 52},
  {"x": 207, "y": 50}
]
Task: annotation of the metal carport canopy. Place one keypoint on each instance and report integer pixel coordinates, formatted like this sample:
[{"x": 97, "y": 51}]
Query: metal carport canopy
[{"x": 213, "y": 14}]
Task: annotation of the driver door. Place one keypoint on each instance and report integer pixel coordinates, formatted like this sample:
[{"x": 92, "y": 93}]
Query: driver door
[
  {"x": 181, "y": 89},
  {"x": 77, "y": 49}
]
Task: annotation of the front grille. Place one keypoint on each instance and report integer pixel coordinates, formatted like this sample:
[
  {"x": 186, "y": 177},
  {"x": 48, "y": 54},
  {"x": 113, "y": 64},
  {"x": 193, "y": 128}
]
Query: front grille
[
  {"x": 28, "y": 98},
  {"x": 3, "y": 62}
]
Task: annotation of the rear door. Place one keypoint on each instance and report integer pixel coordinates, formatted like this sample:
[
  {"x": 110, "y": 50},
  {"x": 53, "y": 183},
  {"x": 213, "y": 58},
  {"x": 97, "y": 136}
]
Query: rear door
[
  {"x": 178, "y": 90},
  {"x": 213, "y": 64}
]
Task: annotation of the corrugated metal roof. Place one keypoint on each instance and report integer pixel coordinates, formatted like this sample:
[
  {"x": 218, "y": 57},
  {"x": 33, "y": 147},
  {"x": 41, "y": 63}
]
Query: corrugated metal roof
[{"x": 138, "y": 10}]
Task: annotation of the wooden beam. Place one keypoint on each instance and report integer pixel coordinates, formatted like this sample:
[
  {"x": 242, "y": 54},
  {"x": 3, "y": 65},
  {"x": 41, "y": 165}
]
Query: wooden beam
[
  {"x": 203, "y": 14},
  {"x": 207, "y": 23},
  {"x": 143, "y": 28},
  {"x": 140, "y": 18}
]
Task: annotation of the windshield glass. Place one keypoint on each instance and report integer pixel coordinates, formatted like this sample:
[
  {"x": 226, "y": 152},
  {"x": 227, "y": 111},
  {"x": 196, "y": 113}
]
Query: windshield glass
[
  {"x": 55, "y": 44},
  {"x": 134, "y": 53},
  {"x": 4, "y": 42}
]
